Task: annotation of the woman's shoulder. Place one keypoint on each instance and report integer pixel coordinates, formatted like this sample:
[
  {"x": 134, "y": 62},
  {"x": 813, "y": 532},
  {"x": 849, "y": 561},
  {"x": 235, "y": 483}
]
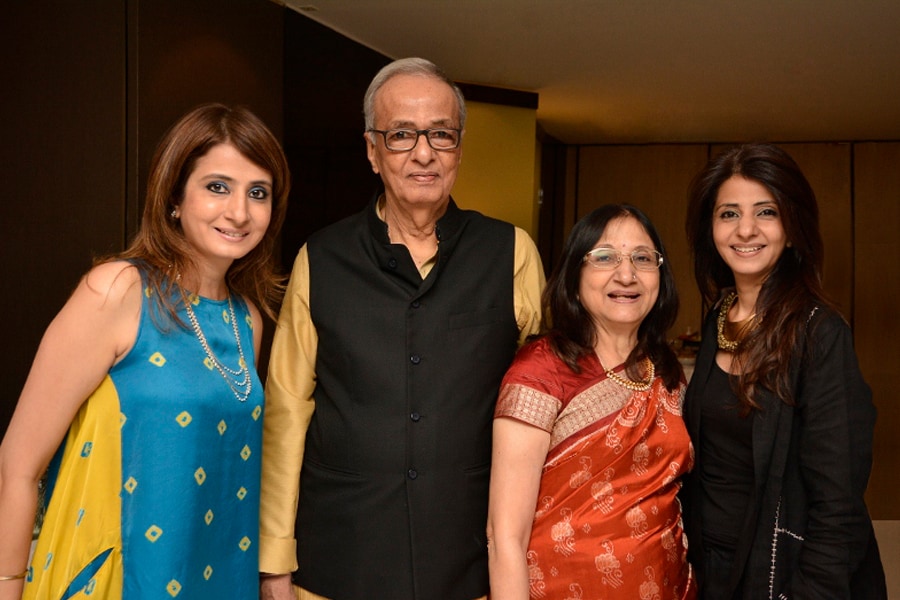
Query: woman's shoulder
[
  {"x": 823, "y": 320},
  {"x": 535, "y": 356},
  {"x": 116, "y": 280}
]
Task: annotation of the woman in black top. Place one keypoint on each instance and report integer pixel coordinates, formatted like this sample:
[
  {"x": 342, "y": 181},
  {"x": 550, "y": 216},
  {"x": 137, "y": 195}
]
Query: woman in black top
[{"x": 777, "y": 409}]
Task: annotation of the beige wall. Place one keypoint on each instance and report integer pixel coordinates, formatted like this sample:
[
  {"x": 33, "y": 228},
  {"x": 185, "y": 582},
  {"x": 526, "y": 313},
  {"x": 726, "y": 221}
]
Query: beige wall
[{"x": 498, "y": 173}]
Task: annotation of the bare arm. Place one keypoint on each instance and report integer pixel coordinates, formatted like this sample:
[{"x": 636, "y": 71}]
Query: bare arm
[
  {"x": 95, "y": 328},
  {"x": 519, "y": 453}
]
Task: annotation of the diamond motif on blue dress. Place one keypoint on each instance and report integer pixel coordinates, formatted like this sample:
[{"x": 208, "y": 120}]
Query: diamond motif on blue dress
[
  {"x": 225, "y": 317},
  {"x": 222, "y": 427},
  {"x": 200, "y": 476},
  {"x": 207, "y": 572},
  {"x": 174, "y": 588},
  {"x": 157, "y": 359},
  {"x": 257, "y": 412},
  {"x": 244, "y": 544},
  {"x": 242, "y": 493},
  {"x": 245, "y": 452},
  {"x": 153, "y": 533},
  {"x": 208, "y": 517},
  {"x": 184, "y": 419},
  {"x": 130, "y": 484}
]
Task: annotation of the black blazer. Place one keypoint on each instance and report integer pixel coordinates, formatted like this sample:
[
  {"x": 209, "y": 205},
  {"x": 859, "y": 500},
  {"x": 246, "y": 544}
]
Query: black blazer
[{"x": 807, "y": 531}]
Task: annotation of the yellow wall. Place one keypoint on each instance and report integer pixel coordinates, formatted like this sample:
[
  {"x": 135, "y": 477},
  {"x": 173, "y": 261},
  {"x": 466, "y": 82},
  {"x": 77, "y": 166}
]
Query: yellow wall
[{"x": 498, "y": 175}]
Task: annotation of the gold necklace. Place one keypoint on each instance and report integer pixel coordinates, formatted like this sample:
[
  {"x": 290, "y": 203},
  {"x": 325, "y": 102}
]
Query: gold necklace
[
  {"x": 636, "y": 386},
  {"x": 239, "y": 387},
  {"x": 737, "y": 329}
]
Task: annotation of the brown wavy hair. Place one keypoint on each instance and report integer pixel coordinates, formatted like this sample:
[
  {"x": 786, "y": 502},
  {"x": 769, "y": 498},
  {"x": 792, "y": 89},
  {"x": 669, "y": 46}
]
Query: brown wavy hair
[
  {"x": 793, "y": 287},
  {"x": 160, "y": 248}
]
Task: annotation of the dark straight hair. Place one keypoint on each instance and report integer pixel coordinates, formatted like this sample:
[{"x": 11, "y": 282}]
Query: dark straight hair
[{"x": 569, "y": 326}]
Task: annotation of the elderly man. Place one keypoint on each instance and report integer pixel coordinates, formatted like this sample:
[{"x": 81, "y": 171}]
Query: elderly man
[{"x": 397, "y": 327}]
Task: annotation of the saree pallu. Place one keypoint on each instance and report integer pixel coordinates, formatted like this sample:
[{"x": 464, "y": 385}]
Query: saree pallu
[{"x": 607, "y": 522}]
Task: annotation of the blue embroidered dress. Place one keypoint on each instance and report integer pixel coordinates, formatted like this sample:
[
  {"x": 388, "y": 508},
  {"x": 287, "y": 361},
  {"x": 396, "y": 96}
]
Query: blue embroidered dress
[{"x": 155, "y": 491}]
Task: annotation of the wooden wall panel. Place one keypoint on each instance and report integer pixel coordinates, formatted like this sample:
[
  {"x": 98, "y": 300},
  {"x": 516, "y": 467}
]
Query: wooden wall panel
[
  {"x": 61, "y": 161},
  {"x": 876, "y": 320},
  {"x": 655, "y": 179},
  {"x": 92, "y": 87}
]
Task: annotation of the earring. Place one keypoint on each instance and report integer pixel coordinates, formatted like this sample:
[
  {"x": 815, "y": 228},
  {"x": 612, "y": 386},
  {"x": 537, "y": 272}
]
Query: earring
[{"x": 174, "y": 213}]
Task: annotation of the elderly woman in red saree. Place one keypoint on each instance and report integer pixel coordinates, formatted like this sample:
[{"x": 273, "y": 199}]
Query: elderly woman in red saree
[{"x": 589, "y": 442}]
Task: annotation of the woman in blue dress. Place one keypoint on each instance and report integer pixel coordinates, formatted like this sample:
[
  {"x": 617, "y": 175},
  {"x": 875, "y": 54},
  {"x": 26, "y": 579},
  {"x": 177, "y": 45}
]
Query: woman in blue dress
[{"x": 143, "y": 398}]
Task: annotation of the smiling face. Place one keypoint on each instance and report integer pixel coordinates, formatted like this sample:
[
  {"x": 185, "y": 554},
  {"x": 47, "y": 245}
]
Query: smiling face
[
  {"x": 619, "y": 299},
  {"x": 421, "y": 176},
  {"x": 747, "y": 230},
  {"x": 226, "y": 208}
]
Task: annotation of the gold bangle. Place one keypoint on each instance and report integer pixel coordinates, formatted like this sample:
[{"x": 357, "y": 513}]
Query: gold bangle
[{"x": 21, "y": 575}]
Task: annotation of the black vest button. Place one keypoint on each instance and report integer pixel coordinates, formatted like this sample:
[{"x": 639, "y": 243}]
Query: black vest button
[
  {"x": 415, "y": 417},
  {"x": 415, "y": 359},
  {"x": 416, "y": 304},
  {"x": 392, "y": 263},
  {"x": 412, "y": 473}
]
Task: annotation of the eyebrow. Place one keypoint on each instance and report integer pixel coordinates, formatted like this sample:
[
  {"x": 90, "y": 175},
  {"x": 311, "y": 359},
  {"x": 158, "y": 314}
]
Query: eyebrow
[
  {"x": 735, "y": 204},
  {"x": 232, "y": 179},
  {"x": 611, "y": 247},
  {"x": 440, "y": 123}
]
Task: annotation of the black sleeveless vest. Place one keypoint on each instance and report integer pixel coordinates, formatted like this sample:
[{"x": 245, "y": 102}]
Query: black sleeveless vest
[{"x": 394, "y": 484}]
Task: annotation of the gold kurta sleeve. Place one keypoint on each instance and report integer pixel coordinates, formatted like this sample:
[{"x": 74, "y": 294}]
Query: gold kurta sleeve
[
  {"x": 288, "y": 410},
  {"x": 528, "y": 283}
]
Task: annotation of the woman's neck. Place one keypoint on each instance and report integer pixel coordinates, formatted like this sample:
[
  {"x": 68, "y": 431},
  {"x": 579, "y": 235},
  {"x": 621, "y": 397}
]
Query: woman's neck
[
  {"x": 745, "y": 305},
  {"x": 613, "y": 348},
  {"x": 208, "y": 286}
]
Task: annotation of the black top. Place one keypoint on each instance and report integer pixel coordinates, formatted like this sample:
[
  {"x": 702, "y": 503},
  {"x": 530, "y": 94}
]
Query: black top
[
  {"x": 727, "y": 461},
  {"x": 806, "y": 531}
]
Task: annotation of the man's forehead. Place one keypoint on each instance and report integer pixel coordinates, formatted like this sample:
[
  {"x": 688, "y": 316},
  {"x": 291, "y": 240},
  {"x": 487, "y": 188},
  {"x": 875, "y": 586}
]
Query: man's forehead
[{"x": 410, "y": 91}]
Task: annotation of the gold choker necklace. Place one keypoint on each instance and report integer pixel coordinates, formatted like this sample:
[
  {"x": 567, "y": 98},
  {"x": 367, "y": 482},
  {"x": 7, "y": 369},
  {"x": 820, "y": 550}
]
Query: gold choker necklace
[
  {"x": 636, "y": 386},
  {"x": 732, "y": 333}
]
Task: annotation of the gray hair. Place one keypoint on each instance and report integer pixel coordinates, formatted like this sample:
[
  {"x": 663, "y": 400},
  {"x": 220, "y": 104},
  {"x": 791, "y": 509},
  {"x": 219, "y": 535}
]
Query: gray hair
[{"x": 409, "y": 66}]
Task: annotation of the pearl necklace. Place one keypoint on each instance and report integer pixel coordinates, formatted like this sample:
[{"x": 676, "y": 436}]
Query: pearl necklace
[
  {"x": 240, "y": 388},
  {"x": 635, "y": 386},
  {"x": 737, "y": 329}
]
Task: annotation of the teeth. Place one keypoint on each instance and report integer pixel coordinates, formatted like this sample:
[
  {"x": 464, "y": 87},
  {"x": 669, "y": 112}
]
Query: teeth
[{"x": 750, "y": 249}]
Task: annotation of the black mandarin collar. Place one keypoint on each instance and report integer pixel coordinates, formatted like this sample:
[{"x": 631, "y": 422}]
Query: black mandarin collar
[{"x": 446, "y": 229}]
